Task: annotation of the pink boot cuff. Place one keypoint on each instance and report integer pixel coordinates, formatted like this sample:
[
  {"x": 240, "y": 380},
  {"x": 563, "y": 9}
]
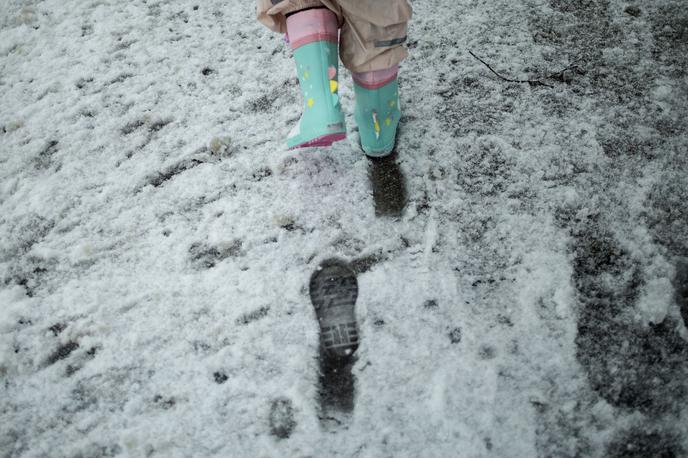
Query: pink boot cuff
[
  {"x": 312, "y": 25},
  {"x": 377, "y": 78}
]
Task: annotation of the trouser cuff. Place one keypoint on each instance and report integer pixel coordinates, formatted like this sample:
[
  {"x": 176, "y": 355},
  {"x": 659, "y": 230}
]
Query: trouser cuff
[{"x": 298, "y": 5}]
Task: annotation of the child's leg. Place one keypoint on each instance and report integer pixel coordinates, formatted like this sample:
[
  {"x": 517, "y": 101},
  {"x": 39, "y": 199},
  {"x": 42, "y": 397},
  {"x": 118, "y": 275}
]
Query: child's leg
[
  {"x": 313, "y": 36},
  {"x": 371, "y": 46},
  {"x": 377, "y": 111}
]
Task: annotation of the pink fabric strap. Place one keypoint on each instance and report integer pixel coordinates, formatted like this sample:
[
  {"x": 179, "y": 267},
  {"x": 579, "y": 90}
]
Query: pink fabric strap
[
  {"x": 377, "y": 78},
  {"x": 307, "y": 26}
]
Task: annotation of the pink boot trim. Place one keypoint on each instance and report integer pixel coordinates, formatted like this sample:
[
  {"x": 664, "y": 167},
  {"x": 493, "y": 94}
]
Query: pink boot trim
[
  {"x": 307, "y": 26},
  {"x": 325, "y": 140},
  {"x": 376, "y": 79}
]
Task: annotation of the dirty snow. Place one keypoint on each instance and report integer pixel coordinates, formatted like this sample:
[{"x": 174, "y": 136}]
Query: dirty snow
[{"x": 156, "y": 238}]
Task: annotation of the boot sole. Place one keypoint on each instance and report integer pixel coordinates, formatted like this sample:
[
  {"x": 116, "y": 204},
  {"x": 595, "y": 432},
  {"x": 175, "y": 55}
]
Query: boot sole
[{"x": 322, "y": 141}]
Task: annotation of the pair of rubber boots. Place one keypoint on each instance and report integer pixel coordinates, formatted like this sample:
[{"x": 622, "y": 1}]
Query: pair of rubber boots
[{"x": 313, "y": 35}]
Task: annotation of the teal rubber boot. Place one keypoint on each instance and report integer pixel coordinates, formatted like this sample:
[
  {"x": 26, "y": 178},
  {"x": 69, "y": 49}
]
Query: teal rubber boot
[
  {"x": 322, "y": 121},
  {"x": 377, "y": 115}
]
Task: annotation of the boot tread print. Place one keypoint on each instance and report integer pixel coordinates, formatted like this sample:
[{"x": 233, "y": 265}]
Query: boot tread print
[
  {"x": 333, "y": 292},
  {"x": 322, "y": 121},
  {"x": 377, "y": 115}
]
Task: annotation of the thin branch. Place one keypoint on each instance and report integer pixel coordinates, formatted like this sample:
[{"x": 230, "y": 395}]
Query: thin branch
[
  {"x": 559, "y": 76},
  {"x": 510, "y": 80}
]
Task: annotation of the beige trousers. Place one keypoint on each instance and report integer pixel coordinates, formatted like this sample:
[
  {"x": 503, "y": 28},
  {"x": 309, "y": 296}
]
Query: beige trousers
[{"x": 372, "y": 31}]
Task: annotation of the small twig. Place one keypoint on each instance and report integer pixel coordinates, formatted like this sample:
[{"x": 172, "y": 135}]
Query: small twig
[
  {"x": 560, "y": 74},
  {"x": 510, "y": 80}
]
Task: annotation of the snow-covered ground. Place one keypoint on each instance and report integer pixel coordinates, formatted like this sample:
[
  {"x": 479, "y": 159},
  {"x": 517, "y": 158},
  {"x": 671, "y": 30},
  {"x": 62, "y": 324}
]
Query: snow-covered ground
[{"x": 156, "y": 238}]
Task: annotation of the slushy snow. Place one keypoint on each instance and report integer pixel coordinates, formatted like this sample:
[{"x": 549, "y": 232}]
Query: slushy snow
[{"x": 157, "y": 238}]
